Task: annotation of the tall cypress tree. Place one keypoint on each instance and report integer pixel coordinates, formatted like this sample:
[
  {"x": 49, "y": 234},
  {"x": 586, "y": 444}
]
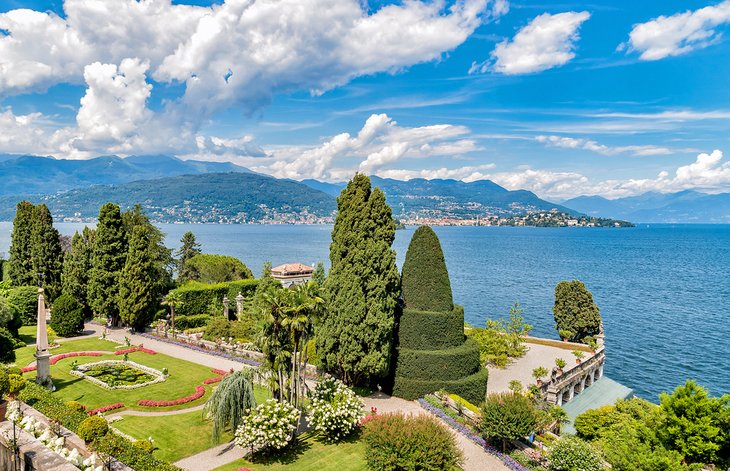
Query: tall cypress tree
[
  {"x": 20, "y": 264},
  {"x": 76, "y": 268},
  {"x": 355, "y": 336},
  {"x": 136, "y": 284},
  {"x": 46, "y": 251},
  {"x": 189, "y": 248},
  {"x": 161, "y": 256},
  {"x": 107, "y": 261}
]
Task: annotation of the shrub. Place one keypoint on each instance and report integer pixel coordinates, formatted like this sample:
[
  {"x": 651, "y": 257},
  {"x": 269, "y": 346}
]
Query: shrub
[
  {"x": 4, "y": 382},
  {"x": 14, "y": 370},
  {"x": 44, "y": 402},
  {"x": 426, "y": 330},
  {"x": 16, "y": 384},
  {"x": 197, "y": 298},
  {"x": 9, "y": 316},
  {"x": 92, "y": 428},
  {"x": 270, "y": 425},
  {"x": 75, "y": 405},
  {"x": 191, "y": 322},
  {"x": 335, "y": 410},
  {"x": 396, "y": 441},
  {"x": 573, "y": 454},
  {"x": 67, "y": 316},
  {"x": 507, "y": 416},
  {"x": 426, "y": 284},
  {"x": 144, "y": 445},
  {"x": 124, "y": 450},
  {"x": 25, "y": 300},
  {"x": 221, "y": 328},
  {"x": 7, "y": 346}
]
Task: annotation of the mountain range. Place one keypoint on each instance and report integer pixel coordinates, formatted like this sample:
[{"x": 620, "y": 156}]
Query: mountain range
[
  {"x": 687, "y": 206},
  {"x": 174, "y": 190}
]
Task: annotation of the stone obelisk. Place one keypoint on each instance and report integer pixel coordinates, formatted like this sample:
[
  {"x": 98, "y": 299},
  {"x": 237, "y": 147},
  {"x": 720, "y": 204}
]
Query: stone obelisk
[{"x": 43, "y": 367}]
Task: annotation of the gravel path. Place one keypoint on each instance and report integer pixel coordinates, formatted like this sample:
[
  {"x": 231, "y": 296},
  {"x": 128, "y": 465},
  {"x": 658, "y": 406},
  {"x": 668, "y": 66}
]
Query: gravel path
[
  {"x": 145, "y": 413},
  {"x": 212, "y": 458}
]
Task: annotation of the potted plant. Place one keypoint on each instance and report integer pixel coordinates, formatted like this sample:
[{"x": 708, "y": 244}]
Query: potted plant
[
  {"x": 560, "y": 363},
  {"x": 539, "y": 373},
  {"x": 578, "y": 355},
  {"x": 566, "y": 334}
]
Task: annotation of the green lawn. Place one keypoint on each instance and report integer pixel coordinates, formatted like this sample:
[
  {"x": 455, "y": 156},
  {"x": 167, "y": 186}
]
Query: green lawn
[
  {"x": 310, "y": 454},
  {"x": 177, "y": 436},
  {"x": 184, "y": 377},
  {"x": 27, "y": 333}
]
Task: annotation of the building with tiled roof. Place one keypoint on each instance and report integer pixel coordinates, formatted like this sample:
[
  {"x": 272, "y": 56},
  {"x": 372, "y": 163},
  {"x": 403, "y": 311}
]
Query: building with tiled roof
[{"x": 292, "y": 274}]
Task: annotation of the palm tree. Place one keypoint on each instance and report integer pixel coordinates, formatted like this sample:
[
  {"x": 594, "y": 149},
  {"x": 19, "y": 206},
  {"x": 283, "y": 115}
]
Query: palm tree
[
  {"x": 230, "y": 401},
  {"x": 274, "y": 339}
]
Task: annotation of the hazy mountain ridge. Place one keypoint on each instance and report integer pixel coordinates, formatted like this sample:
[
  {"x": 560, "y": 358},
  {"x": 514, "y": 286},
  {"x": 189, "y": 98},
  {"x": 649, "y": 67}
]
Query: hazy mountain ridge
[{"x": 688, "y": 206}]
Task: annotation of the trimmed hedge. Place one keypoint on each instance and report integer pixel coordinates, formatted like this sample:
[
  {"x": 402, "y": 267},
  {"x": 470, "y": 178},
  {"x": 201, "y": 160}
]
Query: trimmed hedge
[
  {"x": 44, "y": 402},
  {"x": 191, "y": 322},
  {"x": 473, "y": 388},
  {"x": 92, "y": 428},
  {"x": 426, "y": 284},
  {"x": 421, "y": 330},
  {"x": 435, "y": 365},
  {"x": 67, "y": 316},
  {"x": 199, "y": 298}
]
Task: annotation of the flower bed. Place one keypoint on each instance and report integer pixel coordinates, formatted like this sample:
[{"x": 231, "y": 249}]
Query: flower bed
[
  {"x": 220, "y": 372},
  {"x": 217, "y": 379},
  {"x": 135, "y": 349},
  {"x": 56, "y": 358},
  {"x": 199, "y": 392},
  {"x": 82, "y": 371},
  {"x": 28, "y": 369},
  {"x": 103, "y": 409},
  {"x": 469, "y": 433}
]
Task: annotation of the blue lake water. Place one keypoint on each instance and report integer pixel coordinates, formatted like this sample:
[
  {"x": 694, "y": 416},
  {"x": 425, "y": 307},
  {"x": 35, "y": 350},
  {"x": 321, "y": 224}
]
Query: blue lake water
[{"x": 663, "y": 290}]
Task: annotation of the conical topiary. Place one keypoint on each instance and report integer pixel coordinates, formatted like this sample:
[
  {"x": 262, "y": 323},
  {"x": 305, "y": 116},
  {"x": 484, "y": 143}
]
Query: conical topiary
[{"x": 433, "y": 352}]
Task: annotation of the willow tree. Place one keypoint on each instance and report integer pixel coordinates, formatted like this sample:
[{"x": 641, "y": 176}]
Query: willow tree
[
  {"x": 361, "y": 291},
  {"x": 230, "y": 402}
]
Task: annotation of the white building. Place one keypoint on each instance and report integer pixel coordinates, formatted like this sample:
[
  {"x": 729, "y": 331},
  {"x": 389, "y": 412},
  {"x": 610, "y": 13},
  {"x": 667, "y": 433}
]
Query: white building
[{"x": 292, "y": 274}]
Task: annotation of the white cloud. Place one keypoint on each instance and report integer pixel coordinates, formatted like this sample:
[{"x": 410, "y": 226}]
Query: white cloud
[
  {"x": 380, "y": 143},
  {"x": 547, "y": 41},
  {"x": 670, "y": 115},
  {"x": 593, "y": 146},
  {"x": 24, "y": 134},
  {"x": 466, "y": 173},
  {"x": 679, "y": 33}
]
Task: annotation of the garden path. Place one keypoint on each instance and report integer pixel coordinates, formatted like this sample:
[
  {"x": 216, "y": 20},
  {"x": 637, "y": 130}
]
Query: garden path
[
  {"x": 212, "y": 458},
  {"x": 475, "y": 458},
  {"x": 145, "y": 413}
]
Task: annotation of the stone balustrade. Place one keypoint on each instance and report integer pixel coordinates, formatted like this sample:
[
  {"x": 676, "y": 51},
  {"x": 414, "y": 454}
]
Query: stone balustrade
[{"x": 563, "y": 387}]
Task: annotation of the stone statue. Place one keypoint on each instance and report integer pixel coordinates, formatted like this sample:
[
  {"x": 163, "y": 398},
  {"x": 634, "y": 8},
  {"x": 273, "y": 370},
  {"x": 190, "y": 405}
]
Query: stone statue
[{"x": 239, "y": 305}]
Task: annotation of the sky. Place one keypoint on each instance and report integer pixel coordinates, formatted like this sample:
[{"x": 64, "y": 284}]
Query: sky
[{"x": 612, "y": 97}]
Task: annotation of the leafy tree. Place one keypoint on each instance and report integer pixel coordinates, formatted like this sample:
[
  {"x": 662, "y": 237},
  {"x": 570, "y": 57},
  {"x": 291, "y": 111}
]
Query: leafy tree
[
  {"x": 695, "y": 424},
  {"x": 9, "y": 316},
  {"x": 573, "y": 454},
  {"x": 354, "y": 339},
  {"x": 230, "y": 402},
  {"x": 7, "y": 346},
  {"x": 211, "y": 268},
  {"x": 319, "y": 275},
  {"x": 25, "y": 300},
  {"x": 188, "y": 249},
  {"x": 20, "y": 264},
  {"x": 136, "y": 284},
  {"x": 46, "y": 251},
  {"x": 576, "y": 315},
  {"x": 76, "y": 268},
  {"x": 67, "y": 316},
  {"x": 502, "y": 340},
  {"x": 107, "y": 261},
  {"x": 507, "y": 416},
  {"x": 259, "y": 305}
]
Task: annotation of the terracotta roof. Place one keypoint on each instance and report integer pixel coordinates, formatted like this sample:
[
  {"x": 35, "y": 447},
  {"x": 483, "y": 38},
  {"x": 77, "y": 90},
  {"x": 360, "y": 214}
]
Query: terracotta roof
[{"x": 291, "y": 268}]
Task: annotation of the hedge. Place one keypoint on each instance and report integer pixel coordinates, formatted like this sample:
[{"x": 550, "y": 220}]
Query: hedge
[
  {"x": 191, "y": 322},
  {"x": 435, "y": 365},
  {"x": 473, "y": 388},
  {"x": 25, "y": 299},
  {"x": 426, "y": 284},
  {"x": 44, "y": 402},
  {"x": 422, "y": 330},
  {"x": 198, "y": 298}
]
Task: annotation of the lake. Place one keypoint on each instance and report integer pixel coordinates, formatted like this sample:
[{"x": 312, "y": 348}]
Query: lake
[{"x": 663, "y": 290}]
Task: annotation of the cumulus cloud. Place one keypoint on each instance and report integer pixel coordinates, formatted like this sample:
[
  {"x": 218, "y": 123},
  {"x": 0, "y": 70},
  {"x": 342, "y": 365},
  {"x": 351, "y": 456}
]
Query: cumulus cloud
[
  {"x": 547, "y": 41},
  {"x": 380, "y": 143},
  {"x": 593, "y": 146},
  {"x": 679, "y": 33},
  {"x": 21, "y": 134}
]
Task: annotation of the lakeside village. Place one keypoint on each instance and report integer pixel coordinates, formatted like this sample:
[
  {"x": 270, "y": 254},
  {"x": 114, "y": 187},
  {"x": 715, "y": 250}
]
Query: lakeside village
[{"x": 118, "y": 354}]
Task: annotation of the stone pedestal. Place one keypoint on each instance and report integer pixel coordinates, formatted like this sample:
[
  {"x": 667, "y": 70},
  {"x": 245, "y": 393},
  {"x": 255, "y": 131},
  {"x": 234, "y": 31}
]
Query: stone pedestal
[
  {"x": 239, "y": 305},
  {"x": 43, "y": 370}
]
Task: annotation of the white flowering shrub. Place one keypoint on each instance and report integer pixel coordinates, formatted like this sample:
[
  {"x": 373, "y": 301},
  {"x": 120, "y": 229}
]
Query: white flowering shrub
[
  {"x": 335, "y": 409},
  {"x": 269, "y": 425}
]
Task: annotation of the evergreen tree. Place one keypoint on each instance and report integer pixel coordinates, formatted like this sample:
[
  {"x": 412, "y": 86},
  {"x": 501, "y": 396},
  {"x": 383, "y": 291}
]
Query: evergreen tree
[
  {"x": 320, "y": 275},
  {"x": 259, "y": 304},
  {"x": 355, "y": 336},
  {"x": 161, "y": 255},
  {"x": 107, "y": 261},
  {"x": 137, "y": 299},
  {"x": 426, "y": 284},
  {"x": 577, "y": 317},
  {"x": 20, "y": 264},
  {"x": 46, "y": 251},
  {"x": 76, "y": 268},
  {"x": 188, "y": 249}
]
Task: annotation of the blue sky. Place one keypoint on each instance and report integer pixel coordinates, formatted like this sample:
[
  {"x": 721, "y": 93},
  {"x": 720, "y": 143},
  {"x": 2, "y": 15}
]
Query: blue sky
[{"x": 609, "y": 97}]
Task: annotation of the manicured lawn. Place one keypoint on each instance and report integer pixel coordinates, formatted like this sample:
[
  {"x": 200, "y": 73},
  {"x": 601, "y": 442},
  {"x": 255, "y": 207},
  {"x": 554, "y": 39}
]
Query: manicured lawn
[
  {"x": 184, "y": 377},
  {"x": 310, "y": 454},
  {"x": 27, "y": 333},
  {"x": 177, "y": 436}
]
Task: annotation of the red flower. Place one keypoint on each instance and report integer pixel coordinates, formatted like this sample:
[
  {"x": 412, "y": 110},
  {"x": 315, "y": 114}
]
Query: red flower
[
  {"x": 117, "y": 405},
  {"x": 199, "y": 392}
]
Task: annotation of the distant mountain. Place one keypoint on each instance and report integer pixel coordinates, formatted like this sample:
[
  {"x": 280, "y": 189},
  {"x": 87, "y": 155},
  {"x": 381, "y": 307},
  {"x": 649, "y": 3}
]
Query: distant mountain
[
  {"x": 30, "y": 174},
  {"x": 332, "y": 189},
  {"x": 687, "y": 206},
  {"x": 211, "y": 197}
]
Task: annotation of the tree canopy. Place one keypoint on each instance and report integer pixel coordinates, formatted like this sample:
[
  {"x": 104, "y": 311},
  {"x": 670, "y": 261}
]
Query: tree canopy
[
  {"x": 426, "y": 285},
  {"x": 46, "y": 251},
  {"x": 577, "y": 317},
  {"x": 507, "y": 416},
  {"x": 212, "y": 268},
  {"x": 76, "y": 268},
  {"x": 107, "y": 260},
  {"x": 137, "y": 299},
  {"x": 20, "y": 264},
  {"x": 189, "y": 247}
]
